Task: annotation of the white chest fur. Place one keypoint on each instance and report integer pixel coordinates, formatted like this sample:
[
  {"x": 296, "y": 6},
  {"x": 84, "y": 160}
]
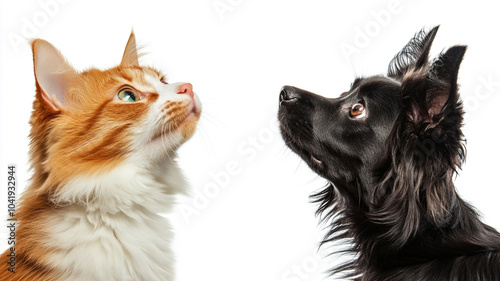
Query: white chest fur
[{"x": 110, "y": 228}]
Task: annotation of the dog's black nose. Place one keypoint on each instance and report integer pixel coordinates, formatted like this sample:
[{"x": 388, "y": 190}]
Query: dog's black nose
[{"x": 288, "y": 93}]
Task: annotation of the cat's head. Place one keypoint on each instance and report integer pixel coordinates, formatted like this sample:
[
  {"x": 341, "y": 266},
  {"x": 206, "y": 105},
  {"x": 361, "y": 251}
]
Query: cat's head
[{"x": 87, "y": 123}]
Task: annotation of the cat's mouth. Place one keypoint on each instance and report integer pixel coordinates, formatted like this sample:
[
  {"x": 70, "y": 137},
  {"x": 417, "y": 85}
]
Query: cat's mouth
[
  {"x": 190, "y": 114},
  {"x": 177, "y": 124}
]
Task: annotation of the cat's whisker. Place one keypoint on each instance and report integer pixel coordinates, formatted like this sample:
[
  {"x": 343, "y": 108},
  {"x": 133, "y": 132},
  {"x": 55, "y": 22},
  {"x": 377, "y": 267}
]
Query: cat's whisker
[
  {"x": 213, "y": 120},
  {"x": 203, "y": 138}
]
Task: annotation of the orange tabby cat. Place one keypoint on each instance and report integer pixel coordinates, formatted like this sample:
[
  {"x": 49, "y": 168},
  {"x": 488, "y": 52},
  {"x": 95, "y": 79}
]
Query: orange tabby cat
[{"x": 102, "y": 150}]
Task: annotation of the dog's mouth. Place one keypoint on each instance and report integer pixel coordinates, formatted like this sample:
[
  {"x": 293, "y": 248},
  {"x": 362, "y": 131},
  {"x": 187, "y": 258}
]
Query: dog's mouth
[
  {"x": 296, "y": 129},
  {"x": 298, "y": 145},
  {"x": 316, "y": 162},
  {"x": 312, "y": 160}
]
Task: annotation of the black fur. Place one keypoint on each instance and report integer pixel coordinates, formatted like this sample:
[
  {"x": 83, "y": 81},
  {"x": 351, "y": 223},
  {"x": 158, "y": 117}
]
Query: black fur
[{"x": 391, "y": 172}]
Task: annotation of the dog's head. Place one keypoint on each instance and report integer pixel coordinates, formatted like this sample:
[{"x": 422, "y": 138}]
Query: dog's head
[
  {"x": 340, "y": 137},
  {"x": 406, "y": 122}
]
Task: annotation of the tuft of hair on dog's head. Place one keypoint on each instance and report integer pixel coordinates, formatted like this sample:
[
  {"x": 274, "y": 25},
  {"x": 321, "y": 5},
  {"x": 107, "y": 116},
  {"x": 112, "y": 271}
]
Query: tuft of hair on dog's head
[
  {"x": 414, "y": 55},
  {"x": 425, "y": 147}
]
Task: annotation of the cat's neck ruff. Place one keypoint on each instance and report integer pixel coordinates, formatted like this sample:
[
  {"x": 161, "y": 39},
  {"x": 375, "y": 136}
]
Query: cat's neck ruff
[{"x": 109, "y": 228}]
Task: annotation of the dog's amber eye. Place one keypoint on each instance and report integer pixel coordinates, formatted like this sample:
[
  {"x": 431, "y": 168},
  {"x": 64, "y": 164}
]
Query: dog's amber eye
[{"x": 357, "y": 111}]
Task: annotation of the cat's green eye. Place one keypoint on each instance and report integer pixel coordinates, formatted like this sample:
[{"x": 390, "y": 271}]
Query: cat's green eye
[{"x": 128, "y": 95}]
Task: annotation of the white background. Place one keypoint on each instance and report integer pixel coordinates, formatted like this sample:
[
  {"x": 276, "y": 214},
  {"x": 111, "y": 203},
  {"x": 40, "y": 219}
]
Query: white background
[{"x": 259, "y": 224}]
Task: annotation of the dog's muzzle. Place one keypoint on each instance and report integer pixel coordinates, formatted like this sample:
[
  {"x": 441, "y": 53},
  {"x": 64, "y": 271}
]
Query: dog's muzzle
[{"x": 288, "y": 94}]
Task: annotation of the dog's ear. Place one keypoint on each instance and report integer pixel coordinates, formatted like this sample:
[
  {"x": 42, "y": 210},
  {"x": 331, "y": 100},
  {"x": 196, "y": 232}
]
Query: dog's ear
[
  {"x": 431, "y": 93},
  {"x": 425, "y": 149},
  {"x": 414, "y": 55},
  {"x": 443, "y": 73}
]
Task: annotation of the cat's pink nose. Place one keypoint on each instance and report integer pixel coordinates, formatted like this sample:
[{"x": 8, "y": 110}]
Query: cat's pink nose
[{"x": 186, "y": 88}]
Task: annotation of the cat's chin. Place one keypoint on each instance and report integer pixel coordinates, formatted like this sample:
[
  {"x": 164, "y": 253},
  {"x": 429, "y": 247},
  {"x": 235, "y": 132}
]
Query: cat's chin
[
  {"x": 188, "y": 125},
  {"x": 181, "y": 133}
]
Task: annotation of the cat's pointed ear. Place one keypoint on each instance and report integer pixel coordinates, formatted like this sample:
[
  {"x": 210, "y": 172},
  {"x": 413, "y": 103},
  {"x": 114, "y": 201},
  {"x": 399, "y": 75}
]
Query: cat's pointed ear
[
  {"x": 53, "y": 74},
  {"x": 130, "y": 55},
  {"x": 443, "y": 74},
  {"x": 414, "y": 55}
]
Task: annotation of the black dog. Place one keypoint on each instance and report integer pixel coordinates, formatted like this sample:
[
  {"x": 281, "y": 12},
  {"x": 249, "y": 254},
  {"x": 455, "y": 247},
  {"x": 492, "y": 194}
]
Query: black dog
[{"x": 390, "y": 147}]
